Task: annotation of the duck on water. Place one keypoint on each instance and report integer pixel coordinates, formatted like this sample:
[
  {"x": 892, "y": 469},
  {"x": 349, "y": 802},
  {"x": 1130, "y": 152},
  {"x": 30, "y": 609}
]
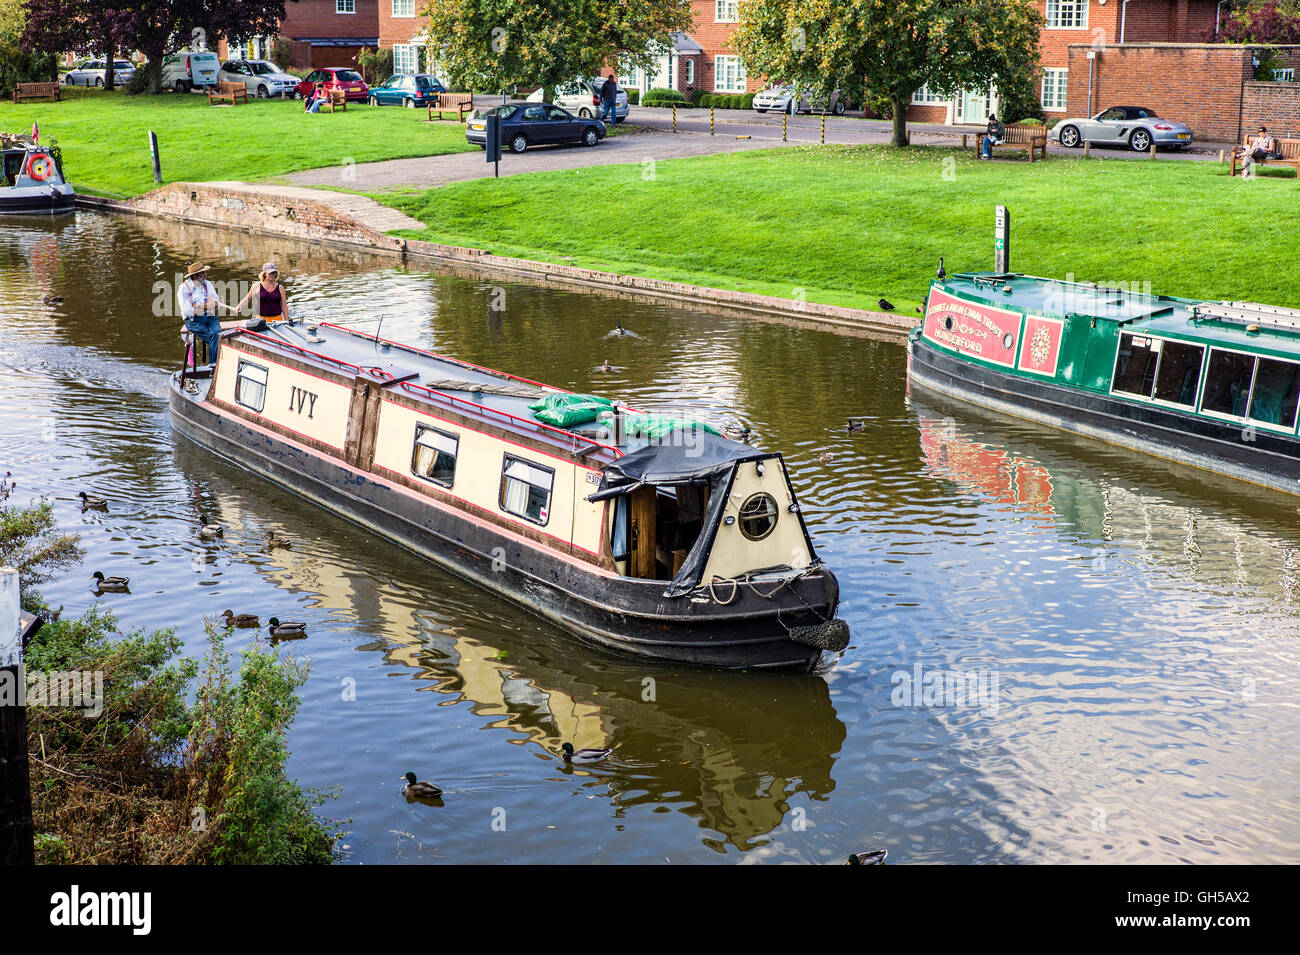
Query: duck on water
[{"x": 648, "y": 535}]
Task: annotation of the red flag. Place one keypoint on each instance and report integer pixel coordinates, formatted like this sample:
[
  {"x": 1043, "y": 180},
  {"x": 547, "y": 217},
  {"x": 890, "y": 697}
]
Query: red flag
[{"x": 36, "y": 133}]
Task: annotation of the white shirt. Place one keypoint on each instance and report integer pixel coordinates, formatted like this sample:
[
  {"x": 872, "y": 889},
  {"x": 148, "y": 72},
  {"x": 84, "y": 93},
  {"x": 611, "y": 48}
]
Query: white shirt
[{"x": 197, "y": 298}]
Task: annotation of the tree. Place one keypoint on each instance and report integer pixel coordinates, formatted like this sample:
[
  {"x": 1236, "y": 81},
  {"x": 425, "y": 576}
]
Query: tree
[
  {"x": 19, "y": 61},
  {"x": 1269, "y": 22},
  {"x": 30, "y": 542},
  {"x": 163, "y": 26},
  {"x": 500, "y": 44},
  {"x": 101, "y": 27},
  {"x": 888, "y": 49}
]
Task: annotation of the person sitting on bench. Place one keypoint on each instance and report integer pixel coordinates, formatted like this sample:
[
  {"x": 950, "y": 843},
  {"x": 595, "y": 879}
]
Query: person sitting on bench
[
  {"x": 992, "y": 136},
  {"x": 1265, "y": 147}
]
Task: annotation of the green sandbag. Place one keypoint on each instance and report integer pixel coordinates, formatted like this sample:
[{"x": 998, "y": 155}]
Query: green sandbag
[
  {"x": 562, "y": 399},
  {"x": 568, "y": 415},
  {"x": 655, "y": 426}
]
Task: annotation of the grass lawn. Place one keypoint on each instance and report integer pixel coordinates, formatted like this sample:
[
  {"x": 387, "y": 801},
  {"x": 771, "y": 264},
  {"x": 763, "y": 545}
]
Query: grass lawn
[
  {"x": 848, "y": 225},
  {"x": 105, "y": 137}
]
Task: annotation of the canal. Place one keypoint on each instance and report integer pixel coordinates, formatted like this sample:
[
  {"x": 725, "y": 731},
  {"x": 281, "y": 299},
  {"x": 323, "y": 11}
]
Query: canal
[{"x": 1061, "y": 652}]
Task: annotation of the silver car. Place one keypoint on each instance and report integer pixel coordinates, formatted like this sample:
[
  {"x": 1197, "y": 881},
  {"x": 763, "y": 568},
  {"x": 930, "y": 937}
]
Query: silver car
[
  {"x": 777, "y": 98},
  {"x": 91, "y": 73},
  {"x": 582, "y": 98},
  {"x": 1133, "y": 126},
  {"x": 261, "y": 78}
]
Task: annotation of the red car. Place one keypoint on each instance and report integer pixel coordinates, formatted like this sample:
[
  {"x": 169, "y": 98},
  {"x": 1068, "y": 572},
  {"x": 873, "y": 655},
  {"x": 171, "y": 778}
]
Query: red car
[{"x": 334, "y": 78}]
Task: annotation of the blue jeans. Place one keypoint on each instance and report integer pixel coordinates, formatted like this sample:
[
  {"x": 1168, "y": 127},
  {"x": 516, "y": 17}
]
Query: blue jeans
[
  {"x": 988, "y": 146},
  {"x": 206, "y": 328},
  {"x": 611, "y": 109}
]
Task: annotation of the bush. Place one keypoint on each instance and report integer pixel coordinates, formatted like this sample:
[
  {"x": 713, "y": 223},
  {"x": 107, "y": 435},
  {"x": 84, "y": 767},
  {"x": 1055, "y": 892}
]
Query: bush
[
  {"x": 633, "y": 97},
  {"x": 1029, "y": 122},
  {"x": 282, "y": 53},
  {"x": 747, "y": 101},
  {"x": 1018, "y": 100},
  {"x": 376, "y": 65},
  {"x": 139, "y": 82},
  {"x": 672, "y": 96},
  {"x": 697, "y": 97}
]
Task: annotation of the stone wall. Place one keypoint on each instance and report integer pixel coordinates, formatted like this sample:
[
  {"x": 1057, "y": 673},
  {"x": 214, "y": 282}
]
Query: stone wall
[{"x": 1275, "y": 105}]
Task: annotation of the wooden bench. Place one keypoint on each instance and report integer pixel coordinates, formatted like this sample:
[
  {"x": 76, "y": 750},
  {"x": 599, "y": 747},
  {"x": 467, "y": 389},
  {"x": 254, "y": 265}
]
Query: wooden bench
[
  {"x": 228, "y": 92},
  {"x": 460, "y": 103},
  {"x": 338, "y": 98},
  {"x": 25, "y": 91},
  {"x": 1028, "y": 139},
  {"x": 1289, "y": 148}
]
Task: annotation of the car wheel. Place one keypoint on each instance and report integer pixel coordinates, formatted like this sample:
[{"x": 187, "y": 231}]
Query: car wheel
[
  {"x": 409, "y": 103},
  {"x": 519, "y": 143},
  {"x": 1140, "y": 141},
  {"x": 1070, "y": 137},
  {"x": 840, "y": 108},
  {"x": 757, "y": 110},
  {"x": 590, "y": 137},
  {"x": 263, "y": 93},
  {"x": 99, "y": 81},
  {"x": 68, "y": 80},
  {"x": 297, "y": 94},
  {"x": 585, "y": 113}
]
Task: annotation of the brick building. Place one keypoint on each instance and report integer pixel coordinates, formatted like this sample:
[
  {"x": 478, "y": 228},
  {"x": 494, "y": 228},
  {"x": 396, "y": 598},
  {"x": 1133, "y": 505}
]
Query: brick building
[{"x": 320, "y": 33}]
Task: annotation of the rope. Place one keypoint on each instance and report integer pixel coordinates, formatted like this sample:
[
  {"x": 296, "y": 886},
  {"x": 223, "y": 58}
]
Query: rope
[
  {"x": 735, "y": 589},
  {"x": 488, "y": 388}
]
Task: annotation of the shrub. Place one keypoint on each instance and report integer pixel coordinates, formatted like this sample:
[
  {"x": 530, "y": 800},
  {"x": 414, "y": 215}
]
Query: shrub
[
  {"x": 376, "y": 65},
  {"x": 633, "y": 97},
  {"x": 672, "y": 96},
  {"x": 282, "y": 52},
  {"x": 139, "y": 82},
  {"x": 697, "y": 97},
  {"x": 1029, "y": 122},
  {"x": 747, "y": 101}
]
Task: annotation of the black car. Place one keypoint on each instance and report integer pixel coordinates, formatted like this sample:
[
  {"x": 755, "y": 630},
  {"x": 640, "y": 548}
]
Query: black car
[{"x": 534, "y": 124}]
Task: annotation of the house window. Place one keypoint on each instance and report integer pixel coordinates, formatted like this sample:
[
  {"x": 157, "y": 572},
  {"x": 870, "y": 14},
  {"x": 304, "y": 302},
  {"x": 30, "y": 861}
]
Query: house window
[
  {"x": 346, "y": 6},
  {"x": 1067, "y": 14},
  {"x": 1285, "y": 75},
  {"x": 526, "y": 489},
  {"x": 434, "y": 455},
  {"x": 403, "y": 58},
  {"x": 1054, "y": 90},
  {"x": 250, "y": 385},
  {"x": 923, "y": 97},
  {"x": 728, "y": 75},
  {"x": 725, "y": 11},
  {"x": 403, "y": 8},
  {"x": 690, "y": 72},
  {"x": 631, "y": 77}
]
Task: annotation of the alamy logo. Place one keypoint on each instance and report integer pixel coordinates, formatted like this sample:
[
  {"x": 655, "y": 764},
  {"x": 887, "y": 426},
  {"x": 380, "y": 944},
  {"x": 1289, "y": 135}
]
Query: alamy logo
[
  {"x": 75, "y": 908},
  {"x": 930, "y": 687}
]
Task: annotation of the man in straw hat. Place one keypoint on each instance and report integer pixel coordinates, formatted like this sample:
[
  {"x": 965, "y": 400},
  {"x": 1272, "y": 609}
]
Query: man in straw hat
[{"x": 199, "y": 304}]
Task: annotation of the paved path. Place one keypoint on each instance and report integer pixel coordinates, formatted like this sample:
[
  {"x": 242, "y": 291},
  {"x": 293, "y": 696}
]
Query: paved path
[{"x": 363, "y": 210}]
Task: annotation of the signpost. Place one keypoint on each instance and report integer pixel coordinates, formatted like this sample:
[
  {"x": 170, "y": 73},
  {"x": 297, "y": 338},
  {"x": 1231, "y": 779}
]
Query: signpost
[
  {"x": 493, "y": 133},
  {"x": 153, "y": 154},
  {"x": 1002, "y": 240}
]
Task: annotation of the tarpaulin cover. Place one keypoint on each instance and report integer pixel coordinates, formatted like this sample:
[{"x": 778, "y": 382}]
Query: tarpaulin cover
[{"x": 696, "y": 462}]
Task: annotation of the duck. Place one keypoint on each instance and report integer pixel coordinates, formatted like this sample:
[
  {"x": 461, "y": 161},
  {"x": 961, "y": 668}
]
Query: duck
[
  {"x": 117, "y": 585},
  {"x": 870, "y": 857},
  {"x": 272, "y": 542},
  {"x": 92, "y": 503},
  {"x": 620, "y": 332},
  {"x": 53, "y": 300},
  {"x": 287, "y": 630},
  {"x": 885, "y": 305},
  {"x": 579, "y": 756},
  {"x": 240, "y": 620},
  {"x": 209, "y": 532},
  {"x": 606, "y": 367},
  {"x": 418, "y": 789},
  {"x": 857, "y": 424},
  {"x": 735, "y": 432},
  {"x": 825, "y": 457}
]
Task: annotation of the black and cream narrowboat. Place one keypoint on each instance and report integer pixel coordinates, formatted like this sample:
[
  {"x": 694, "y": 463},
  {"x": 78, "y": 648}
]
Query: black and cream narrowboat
[
  {"x": 641, "y": 534},
  {"x": 30, "y": 180},
  {"x": 1211, "y": 384}
]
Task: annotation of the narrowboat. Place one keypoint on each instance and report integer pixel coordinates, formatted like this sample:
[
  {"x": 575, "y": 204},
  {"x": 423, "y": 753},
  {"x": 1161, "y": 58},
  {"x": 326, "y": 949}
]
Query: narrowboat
[
  {"x": 1206, "y": 383},
  {"x": 30, "y": 181},
  {"x": 642, "y": 534}
]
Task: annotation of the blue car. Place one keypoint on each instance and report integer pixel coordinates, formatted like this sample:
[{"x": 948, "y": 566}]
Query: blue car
[
  {"x": 407, "y": 89},
  {"x": 535, "y": 124}
]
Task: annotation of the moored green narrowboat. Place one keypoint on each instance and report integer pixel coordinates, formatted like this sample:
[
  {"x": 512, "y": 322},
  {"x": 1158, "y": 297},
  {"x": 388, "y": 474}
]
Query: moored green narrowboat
[{"x": 1211, "y": 384}]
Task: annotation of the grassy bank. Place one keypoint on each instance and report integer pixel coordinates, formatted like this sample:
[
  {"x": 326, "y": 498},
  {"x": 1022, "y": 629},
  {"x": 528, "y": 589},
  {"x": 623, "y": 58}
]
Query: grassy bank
[
  {"x": 848, "y": 225},
  {"x": 105, "y": 138}
]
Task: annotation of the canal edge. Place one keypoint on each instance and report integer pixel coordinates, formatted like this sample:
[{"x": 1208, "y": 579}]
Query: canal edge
[{"x": 315, "y": 220}]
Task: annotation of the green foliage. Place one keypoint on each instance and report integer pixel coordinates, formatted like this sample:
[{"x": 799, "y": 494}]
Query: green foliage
[
  {"x": 376, "y": 65},
  {"x": 633, "y": 97},
  {"x": 664, "y": 97},
  {"x": 697, "y": 97},
  {"x": 1269, "y": 60},
  {"x": 1018, "y": 99},
  {"x": 19, "y": 61},
  {"x": 31, "y": 543},
  {"x": 282, "y": 53},
  {"x": 139, "y": 82}
]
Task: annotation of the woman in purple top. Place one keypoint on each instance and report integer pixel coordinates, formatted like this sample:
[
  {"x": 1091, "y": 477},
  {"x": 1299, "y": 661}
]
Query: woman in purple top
[{"x": 272, "y": 302}]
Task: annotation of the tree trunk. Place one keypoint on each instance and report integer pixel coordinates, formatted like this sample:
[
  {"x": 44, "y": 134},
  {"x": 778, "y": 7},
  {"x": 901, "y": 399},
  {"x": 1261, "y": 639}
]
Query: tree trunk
[
  {"x": 110, "y": 52},
  {"x": 899, "y": 105},
  {"x": 155, "y": 74}
]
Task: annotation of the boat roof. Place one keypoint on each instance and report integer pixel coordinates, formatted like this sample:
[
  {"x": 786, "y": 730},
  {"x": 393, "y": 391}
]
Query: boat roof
[
  {"x": 1247, "y": 325},
  {"x": 493, "y": 396}
]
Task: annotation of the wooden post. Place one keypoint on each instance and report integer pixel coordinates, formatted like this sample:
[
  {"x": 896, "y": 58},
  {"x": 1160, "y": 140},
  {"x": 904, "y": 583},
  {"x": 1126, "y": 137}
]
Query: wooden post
[
  {"x": 16, "y": 841},
  {"x": 1153, "y": 149},
  {"x": 1085, "y": 149}
]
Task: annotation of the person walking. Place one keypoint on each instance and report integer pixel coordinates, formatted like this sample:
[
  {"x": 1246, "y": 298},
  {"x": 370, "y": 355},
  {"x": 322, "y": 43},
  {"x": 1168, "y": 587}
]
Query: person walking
[
  {"x": 992, "y": 136},
  {"x": 272, "y": 302},
  {"x": 609, "y": 99},
  {"x": 199, "y": 304}
]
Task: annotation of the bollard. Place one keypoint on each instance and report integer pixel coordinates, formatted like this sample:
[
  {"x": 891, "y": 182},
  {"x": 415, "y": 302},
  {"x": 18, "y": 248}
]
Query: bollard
[
  {"x": 674, "y": 117},
  {"x": 785, "y": 120},
  {"x": 1153, "y": 150},
  {"x": 1085, "y": 150},
  {"x": 1220, "y": 157},
  {"x": 711, "y": 120},
  {"x": 823, "y": 129}
]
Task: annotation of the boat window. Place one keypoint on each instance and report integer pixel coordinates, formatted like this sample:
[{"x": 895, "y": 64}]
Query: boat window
[
  {"x": 434, "y": 455},
  {"x": 1135, "y": 365},
  {"x": 250, "y": 385},
  {"x": 758, "y": 516},
  {"x": 526, "y": 489},
  {"x": 1227, "y": 383},
  {"x": 1274, "y": 399},
  {"x": 1180, "y": 373}
]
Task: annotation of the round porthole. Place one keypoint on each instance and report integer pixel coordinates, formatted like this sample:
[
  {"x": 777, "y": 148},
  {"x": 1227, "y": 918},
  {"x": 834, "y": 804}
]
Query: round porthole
[
  {"x": 947, "y": 323},
  {"x": 1008, "y": 340},
  {"x": 758, "y": 516}
]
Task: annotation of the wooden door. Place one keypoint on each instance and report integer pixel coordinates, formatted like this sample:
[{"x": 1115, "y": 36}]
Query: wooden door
[{"x": 641, "y": 533}]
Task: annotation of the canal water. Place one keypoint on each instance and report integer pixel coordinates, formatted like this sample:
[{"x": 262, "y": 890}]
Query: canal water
[{"x": 1061, "y": 652}]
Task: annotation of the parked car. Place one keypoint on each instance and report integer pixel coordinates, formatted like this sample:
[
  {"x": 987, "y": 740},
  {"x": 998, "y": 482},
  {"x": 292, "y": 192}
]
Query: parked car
[
  {"x": 335, "y": 78},
  {"x": 408, "y": 89},
  {"x": 534, "y": 124},
  {"x": 582, "y": 97},
  {"x": 1132, "y": 126},
  {"x": 187, "y": 71},
  {"x": 91, "y": 73},
  {"x": 261, "y": 78},
  {"x": 777, "y": 98}
]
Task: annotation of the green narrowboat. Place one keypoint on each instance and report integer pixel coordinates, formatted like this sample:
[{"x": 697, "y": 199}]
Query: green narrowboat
[{"x": 1211, "y": 384}]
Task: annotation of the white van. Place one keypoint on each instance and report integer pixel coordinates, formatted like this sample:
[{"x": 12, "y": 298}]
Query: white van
[{"x": 185, "y": 71}]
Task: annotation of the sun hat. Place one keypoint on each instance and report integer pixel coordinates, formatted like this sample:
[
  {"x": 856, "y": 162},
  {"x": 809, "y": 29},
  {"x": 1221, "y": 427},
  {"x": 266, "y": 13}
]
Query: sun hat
[
  {"x": 270, "y": 267},
  {"x": 194, "y": 269}
]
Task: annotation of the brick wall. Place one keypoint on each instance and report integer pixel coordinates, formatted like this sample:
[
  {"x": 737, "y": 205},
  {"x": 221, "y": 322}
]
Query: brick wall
[
  {"x": 1275, "y": 105},
  {"x": 397, "y": 29},
  {"x": 319, "y": 19}
]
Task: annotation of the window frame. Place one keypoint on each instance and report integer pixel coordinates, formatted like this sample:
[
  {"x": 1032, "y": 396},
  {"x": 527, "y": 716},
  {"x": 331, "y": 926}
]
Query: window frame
[
  {"x": 420, "y": 429},
  {"x": 1060, "y": 76},
  {"x": 1195, "y": 406},
  {"x": 340, "y": 7},
  {"x": 506, "y": 460},
  {"x": 239, "y": 373},
  {"x": 1250, "y": 394},
  {"x": 406, "y": 4},
  {"x": 921, "y": 96},
  {"x": 726, "y": 11},
  {"x": 1080, "y": 8},
  {"x": 775, "y": 515},
  {"x": 741, "y": 76}
]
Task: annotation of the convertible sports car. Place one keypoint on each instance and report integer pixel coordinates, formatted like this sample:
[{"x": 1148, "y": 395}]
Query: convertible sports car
[
  {"x": 535, "y": 124},
  {"x": 1133, "y": 126}
]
